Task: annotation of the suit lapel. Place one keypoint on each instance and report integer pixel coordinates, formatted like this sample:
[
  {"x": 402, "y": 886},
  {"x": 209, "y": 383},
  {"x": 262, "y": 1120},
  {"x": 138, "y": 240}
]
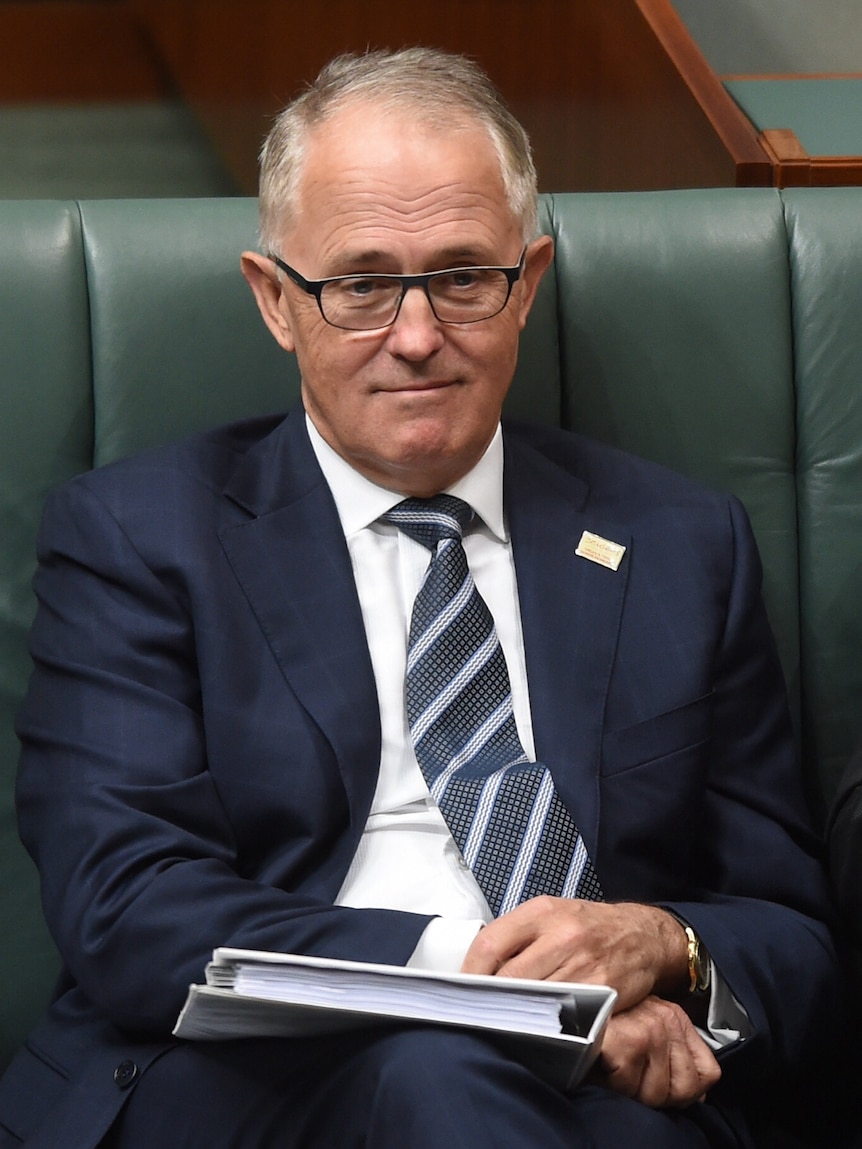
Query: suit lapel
[
  {"x": 291, "y": 559},
  {"x": 292, "y": 562},
  {"x": 571, "y": 609}
]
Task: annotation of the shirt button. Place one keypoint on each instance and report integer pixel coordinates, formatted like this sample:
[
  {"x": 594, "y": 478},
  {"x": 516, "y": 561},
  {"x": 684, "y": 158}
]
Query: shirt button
[
  {"x": 463, "y": 863},
  {"x": 125, "y": 1074}
]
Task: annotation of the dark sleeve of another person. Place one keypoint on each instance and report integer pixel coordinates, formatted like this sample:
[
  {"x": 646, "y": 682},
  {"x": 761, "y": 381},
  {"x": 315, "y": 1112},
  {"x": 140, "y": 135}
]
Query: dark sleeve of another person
[{"x": 845, "y": 846}]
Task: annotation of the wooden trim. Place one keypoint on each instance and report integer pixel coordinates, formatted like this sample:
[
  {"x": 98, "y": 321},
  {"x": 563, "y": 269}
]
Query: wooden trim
[
  {"x": 836, "y": 171},
  {"x": 784, "y": 146},
  {"x": 794, "y": 167},
  {"x": 727, "y": 119},
  {"x": 791, "y": 162}
]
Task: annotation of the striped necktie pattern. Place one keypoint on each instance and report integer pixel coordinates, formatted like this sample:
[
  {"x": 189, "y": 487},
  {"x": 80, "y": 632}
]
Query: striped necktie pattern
[{"x": 502, "y": 810}]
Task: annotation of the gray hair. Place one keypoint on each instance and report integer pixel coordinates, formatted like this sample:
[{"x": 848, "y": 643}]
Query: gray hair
[{"x": 439, "y": 88}]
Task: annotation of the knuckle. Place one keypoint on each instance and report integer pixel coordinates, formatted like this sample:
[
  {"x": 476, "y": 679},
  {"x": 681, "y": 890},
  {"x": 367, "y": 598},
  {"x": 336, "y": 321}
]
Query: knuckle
[
  {"x": 623, "y": 1081},
  {"x": 484, "y": 945},
  {"x": 544, "y": 904},
  {"x": 641, "y": 1040},
  {"x": 712, "y": 1073},
  {"x": 670, "y": 1010},
  {"x": 672, "y": 1017}
]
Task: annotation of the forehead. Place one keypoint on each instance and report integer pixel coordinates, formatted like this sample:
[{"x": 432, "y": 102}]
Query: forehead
[{"x": 378, "y": 179}]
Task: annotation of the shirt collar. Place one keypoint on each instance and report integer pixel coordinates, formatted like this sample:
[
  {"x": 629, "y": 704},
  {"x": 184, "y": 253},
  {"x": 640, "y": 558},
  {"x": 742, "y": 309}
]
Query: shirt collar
[{"x": 360, "y": 502}]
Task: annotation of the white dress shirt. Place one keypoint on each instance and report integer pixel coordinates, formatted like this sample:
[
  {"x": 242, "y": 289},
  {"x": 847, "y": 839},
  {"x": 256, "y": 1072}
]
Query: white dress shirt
[{"x": 407, "y": 859}]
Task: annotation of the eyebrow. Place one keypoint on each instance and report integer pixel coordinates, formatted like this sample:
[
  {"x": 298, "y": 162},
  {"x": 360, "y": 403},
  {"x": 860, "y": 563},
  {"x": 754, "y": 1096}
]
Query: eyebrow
[{"x": 373, "y": 259}]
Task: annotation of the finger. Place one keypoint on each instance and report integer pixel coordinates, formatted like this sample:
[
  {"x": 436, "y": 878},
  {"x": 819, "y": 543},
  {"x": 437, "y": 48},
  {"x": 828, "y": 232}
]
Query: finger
[
  {"x": 495, "y": 944},
  {"x": 654, "y": 1054},
  {"x": 506, "y": 944},
  {"x": 623, "y": 1077},
  {"x": 684, "y": 1082},
  {"x": 544, "y": 938},
  {"x": 624, "y": 1053},
  {"x": 646, "y": 1066},
  {"x": 693, "y": 1067},
  {"x": 544, "y": 958},
  {"x": 705, "y": 1063}
]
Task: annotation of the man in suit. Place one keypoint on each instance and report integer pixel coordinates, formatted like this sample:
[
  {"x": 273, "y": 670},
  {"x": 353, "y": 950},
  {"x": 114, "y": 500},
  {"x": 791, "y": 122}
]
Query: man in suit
[{"x": 220, "y": 746}]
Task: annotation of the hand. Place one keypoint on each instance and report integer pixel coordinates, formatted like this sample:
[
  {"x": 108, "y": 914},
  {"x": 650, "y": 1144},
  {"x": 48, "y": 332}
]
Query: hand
[
  {"x": 654, "y": 1054},
  {"x": 635, "y": 949}
]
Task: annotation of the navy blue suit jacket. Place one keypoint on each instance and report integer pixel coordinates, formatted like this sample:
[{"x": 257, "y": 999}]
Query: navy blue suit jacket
[{"x": 201, "y": 738}]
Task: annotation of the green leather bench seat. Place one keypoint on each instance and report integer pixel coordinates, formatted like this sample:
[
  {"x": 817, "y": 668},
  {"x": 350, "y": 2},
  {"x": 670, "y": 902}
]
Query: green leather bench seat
[
  {"x": 46, "y": 435},
  {"x": 826, "y": 277},
  {"x": 716, "y": 331}
]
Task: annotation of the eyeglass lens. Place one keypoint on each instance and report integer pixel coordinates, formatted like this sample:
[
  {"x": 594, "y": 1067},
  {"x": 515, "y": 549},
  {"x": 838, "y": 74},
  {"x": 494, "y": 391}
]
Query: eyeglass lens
[{"x": 367, "y": 301}]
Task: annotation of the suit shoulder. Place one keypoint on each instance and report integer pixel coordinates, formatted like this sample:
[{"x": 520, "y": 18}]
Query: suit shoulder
[
  {"x": 172, "y": 493},
  {"x": 205, "y": 460},
  {"x": 613, "y": 474}
]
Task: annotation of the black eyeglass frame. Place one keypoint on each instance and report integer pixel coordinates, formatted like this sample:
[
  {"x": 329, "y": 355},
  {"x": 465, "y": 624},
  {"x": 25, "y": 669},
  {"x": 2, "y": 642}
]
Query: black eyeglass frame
[{"x": 315, "y": 287}]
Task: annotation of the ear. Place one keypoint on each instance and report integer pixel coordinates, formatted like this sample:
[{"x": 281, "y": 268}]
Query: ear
[
  {"x": 538, "y": 259},
  {"x": 261, "y": 275}
]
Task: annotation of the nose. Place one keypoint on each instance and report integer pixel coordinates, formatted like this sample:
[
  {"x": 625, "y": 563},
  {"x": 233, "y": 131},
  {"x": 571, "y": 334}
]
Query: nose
[{"x": 417, "y": 332}]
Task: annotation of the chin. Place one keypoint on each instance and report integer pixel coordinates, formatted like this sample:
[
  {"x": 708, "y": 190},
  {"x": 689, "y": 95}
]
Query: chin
[{"x": 427, "y": 469}]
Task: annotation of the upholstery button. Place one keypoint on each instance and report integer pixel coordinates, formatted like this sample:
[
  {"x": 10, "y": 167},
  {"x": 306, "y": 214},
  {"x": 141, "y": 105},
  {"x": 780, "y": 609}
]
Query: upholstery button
[{"x": 125, "y": 1074}]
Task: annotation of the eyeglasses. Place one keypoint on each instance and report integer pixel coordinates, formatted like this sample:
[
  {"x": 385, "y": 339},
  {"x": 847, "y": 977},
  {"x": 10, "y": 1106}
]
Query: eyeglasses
[{"x": 369, "y": 302}]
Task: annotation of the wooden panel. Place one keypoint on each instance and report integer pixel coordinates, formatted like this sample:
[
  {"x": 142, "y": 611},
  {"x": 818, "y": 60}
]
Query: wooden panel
[
  {"x": 58, "y": 52},
  {"x": 731, "y": 126},
  {"x": 604, "y": 103}
]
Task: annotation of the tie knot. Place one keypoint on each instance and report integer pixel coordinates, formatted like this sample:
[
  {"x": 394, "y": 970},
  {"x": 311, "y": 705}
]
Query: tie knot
[{"x": 427, "y": 521}]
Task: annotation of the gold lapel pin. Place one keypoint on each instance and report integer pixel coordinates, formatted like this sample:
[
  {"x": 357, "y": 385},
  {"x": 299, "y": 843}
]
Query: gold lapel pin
[{"x": 601, "y": 551}]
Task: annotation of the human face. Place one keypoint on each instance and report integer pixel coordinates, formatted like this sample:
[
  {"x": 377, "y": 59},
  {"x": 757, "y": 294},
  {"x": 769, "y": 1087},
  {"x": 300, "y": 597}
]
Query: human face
[{"x": 412, "y": 406}]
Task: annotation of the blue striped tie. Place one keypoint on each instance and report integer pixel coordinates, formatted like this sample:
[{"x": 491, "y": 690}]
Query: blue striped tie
[{"x": 503, "y": 810}]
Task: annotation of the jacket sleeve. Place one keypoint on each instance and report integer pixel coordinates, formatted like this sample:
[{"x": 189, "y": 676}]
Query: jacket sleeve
[
  {"x": 764, "y": 910},
  {"x": 845, "y": 846},
  {"x": 141, "y": 869}
]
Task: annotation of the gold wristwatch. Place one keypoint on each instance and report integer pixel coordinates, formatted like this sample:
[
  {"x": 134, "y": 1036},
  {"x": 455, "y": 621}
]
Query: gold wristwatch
[{"x": 698, "y": 962}]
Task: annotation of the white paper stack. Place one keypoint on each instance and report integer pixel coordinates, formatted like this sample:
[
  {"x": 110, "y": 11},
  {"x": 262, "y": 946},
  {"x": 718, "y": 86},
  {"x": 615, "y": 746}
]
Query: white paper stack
[{"x": 555, "y": 1027}]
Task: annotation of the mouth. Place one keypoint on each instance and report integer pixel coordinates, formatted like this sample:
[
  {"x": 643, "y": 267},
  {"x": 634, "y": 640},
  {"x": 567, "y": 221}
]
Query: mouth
[{"x": 419, "y": 386}]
